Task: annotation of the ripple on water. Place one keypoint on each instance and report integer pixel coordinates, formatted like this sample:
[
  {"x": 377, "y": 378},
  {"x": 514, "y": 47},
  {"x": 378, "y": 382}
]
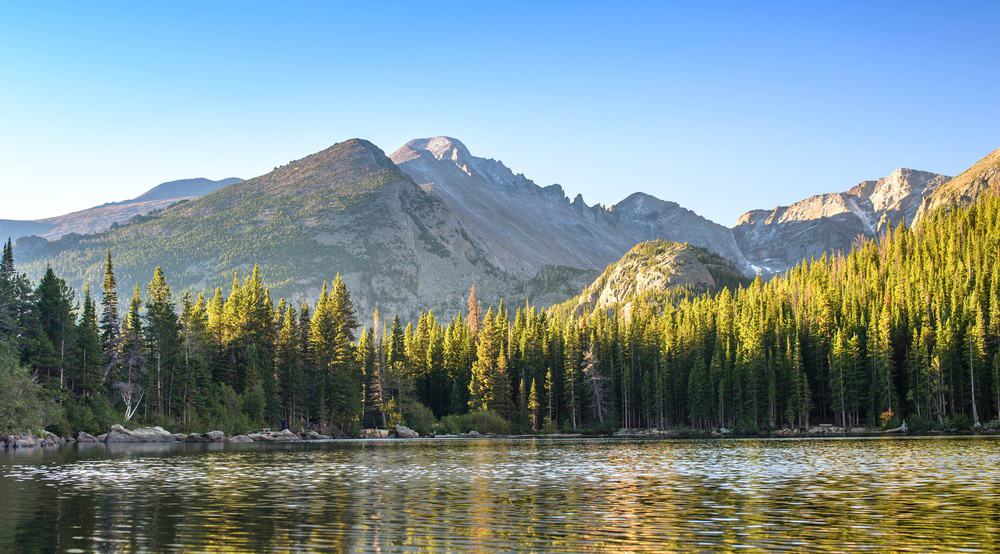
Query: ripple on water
[{"x": 564, "y": 495}]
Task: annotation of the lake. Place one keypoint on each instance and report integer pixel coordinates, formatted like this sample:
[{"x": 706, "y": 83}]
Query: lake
[{"x": 573, "y": 495}]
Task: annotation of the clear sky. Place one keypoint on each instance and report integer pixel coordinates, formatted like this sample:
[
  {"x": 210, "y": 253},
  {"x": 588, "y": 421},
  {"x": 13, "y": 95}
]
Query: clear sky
[{"x": 719, "y": 106}]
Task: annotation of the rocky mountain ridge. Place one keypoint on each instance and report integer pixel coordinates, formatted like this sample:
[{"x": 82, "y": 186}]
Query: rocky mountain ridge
[
  {"x": 775, "y": 240},
  {"x": 982, "y": 178},
  {"x": 524, "y": 226},
  {"x": 101, "y": 218},
  {"x": 414, "y": 230}
]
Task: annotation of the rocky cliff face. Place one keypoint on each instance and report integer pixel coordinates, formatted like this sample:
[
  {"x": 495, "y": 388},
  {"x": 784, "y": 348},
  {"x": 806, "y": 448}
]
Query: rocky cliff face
[
  {"x": 981, "y": 178},
  {"x": 524, "y": 227},
  {"x": 775, "y": 240}
]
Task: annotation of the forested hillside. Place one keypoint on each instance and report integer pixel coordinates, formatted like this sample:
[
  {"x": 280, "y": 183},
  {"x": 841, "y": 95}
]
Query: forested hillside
[{"x": 907, "y": 326}]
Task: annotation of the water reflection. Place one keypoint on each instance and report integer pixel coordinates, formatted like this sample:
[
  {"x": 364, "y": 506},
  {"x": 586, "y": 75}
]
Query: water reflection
[{"x": 562, "y": 495}]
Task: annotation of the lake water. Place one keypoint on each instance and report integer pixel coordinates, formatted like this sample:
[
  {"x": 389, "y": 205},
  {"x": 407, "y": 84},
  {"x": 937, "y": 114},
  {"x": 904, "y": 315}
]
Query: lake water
[{"x": 542, "y": 495}]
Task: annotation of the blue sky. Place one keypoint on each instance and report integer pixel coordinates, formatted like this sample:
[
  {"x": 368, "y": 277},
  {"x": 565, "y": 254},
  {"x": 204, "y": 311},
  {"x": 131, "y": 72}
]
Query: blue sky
[{"x": 719, "y": 106}]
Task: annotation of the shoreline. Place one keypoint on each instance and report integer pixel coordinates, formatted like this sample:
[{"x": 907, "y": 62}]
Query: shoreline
[{"x": 48, "y": 440}]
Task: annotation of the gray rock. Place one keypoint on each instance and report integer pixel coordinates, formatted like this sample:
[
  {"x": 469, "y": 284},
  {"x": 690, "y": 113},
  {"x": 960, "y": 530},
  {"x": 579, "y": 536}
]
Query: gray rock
[
  {"x": 85, "y": 438},
  {"x": 405, "y": 432},
  {"x": 211, "y": 436},
  {"x": 275, "y": 436},
  {"x": 23, "y": 440},
  {"x": 50, "y": 439},
  {"x": 119, "y": 434},
  {"x": 239, "y": 439},
  {"x": 374, "y": 433}
]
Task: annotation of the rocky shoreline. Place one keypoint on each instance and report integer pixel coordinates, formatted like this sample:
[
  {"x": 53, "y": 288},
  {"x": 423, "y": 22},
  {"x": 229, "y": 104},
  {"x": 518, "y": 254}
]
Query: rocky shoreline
[
  {"x": 158, "y": 435},
  {"x": 118, "y": 434}
]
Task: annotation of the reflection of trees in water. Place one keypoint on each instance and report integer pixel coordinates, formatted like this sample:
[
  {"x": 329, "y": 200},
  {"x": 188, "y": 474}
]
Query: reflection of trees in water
[{"x": 532, "y": 495}]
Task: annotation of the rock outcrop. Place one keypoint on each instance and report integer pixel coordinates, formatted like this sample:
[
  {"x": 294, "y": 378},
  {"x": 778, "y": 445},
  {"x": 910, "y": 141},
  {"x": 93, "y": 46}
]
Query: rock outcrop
[
  {"x": 85, "y": 438},
  {"x": 30, "y": 440},
  {"x": 654, "y": 270},
  {"x": 274, "y": 436},
  {"x": 119, "y": 434},
  {"x": 374, "y": 433},
  {"x": 405, "y": 432},
  {"x": 211, "y": 436}
]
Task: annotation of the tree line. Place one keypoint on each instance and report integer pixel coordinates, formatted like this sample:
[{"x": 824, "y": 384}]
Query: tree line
[{"x": 903, "y": 327}]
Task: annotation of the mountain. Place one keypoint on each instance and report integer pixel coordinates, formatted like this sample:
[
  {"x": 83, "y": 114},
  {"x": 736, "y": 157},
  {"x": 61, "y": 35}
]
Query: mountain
[
  {"x": 981, "y": 178},
  {"x": 185, "y": 188},
  {"x": 656, "y": 269},
  {"x": 100, "y": 218},
  {"x": 347, "y": 209},
  {"x": 416, "y": 229},
  {"x": 524, "y": 227},
  {"x": 775, "y": 240}
]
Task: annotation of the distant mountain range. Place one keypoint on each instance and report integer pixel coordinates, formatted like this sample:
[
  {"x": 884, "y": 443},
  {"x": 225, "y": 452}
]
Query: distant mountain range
[
  {"x": 415, "y": 229},
  {"x": 100, "y": 218}
]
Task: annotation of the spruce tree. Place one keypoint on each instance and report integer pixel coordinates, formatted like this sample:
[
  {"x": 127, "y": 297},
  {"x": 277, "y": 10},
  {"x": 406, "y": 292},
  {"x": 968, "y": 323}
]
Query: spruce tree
[
  {"x": 162, "y": 333},
  {"x": 110, "y": 323},
  {"x": 89, "y": 355}
]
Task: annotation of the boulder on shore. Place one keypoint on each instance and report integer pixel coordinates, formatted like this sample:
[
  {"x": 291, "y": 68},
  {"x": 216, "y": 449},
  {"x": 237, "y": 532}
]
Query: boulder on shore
[
  {"x": 239, "y": 439},
  {"x": 29, "y": 440},
  {"x": 405, "y": 432},
  {"x": 211, "y": 436},
  {"x": 119, "y": 434},
  {"x": 275, "y": 436},
  {"x": 314, "y": 436},
  {"x": 374, "y": 433},
  {"x": 23, "y": 440},
  {"x": 50, "y": 439},
  {"x": 84, "y": 437}
]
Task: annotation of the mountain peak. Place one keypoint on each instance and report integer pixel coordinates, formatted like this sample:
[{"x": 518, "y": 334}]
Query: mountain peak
[
  {"x": 441, "y": 148},
  {"x": 351, "y": 154},
  {"x": 184, "y": 188}
]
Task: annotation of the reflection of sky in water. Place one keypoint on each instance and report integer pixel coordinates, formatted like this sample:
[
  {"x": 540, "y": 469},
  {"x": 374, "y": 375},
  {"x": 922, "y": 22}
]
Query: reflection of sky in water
[{"x": 569, "y": 495}]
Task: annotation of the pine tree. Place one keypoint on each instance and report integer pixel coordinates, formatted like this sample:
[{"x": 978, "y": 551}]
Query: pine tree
[
  {"x": 880, "y": 354},
  {"x": 475, "y": 311},
  {"x": 484, "y": 369},
  {"x": 133, "y": 358},
  {"x": 534, "y": 408},
  {"x": 162, "y": 332},
  {"x": 288, "y": 363},
  {"x": 976, "y": 357},
  {"x": 550, "y": 412},
  {"x": 8, "y": 311},
  {"x": 54, "y": 344},
  {"x": 110, "y": 324},
  {"x": 88, "y": 349},
  {"x": 195, "y": 343}
]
